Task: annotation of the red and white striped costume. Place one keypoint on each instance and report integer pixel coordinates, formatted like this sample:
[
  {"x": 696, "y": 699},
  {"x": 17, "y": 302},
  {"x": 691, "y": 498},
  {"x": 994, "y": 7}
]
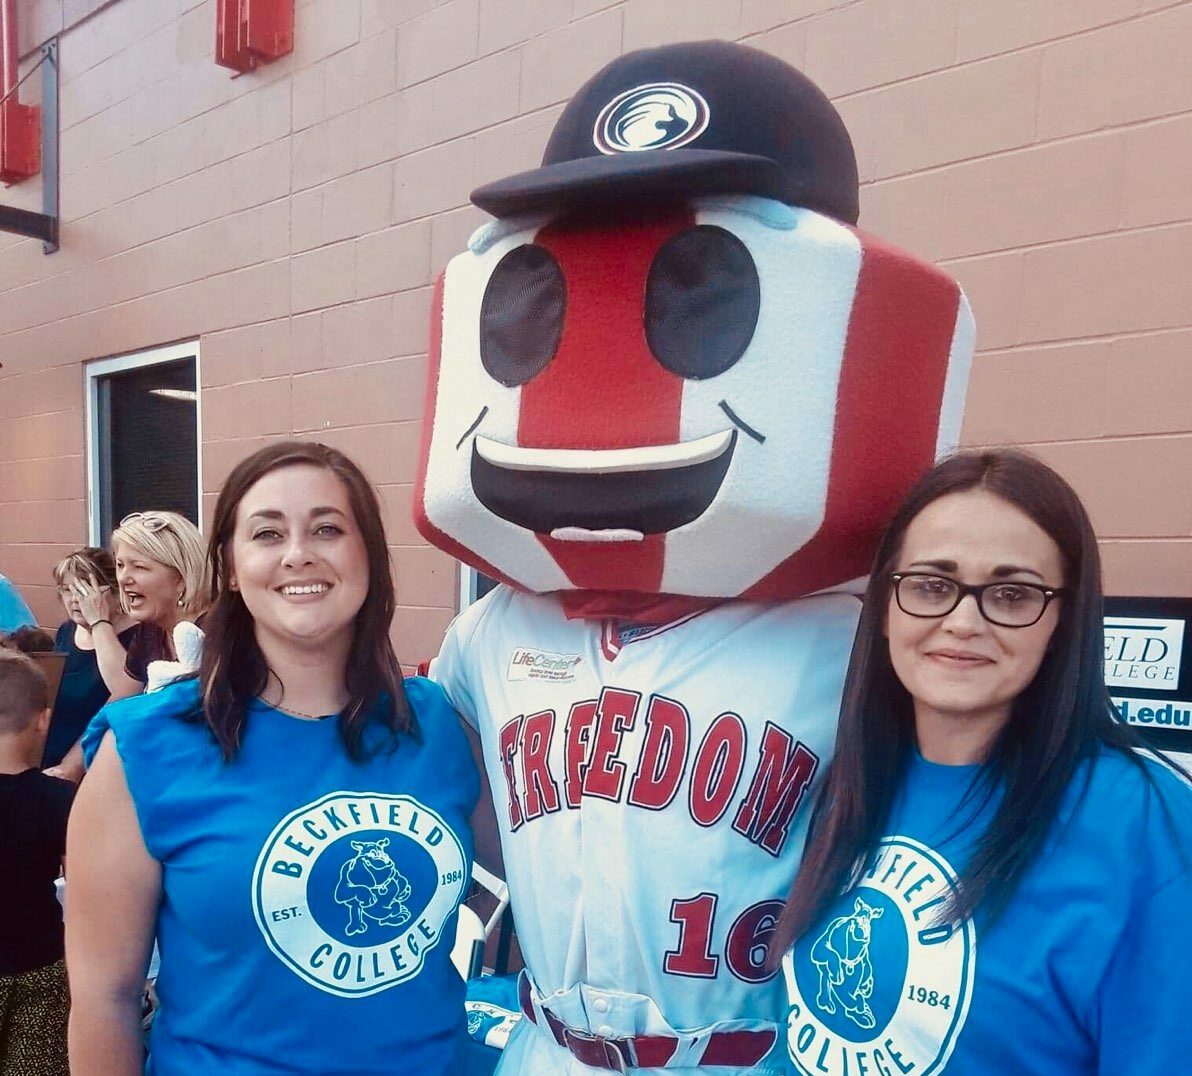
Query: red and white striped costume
[{"x": 653, "y": 796}]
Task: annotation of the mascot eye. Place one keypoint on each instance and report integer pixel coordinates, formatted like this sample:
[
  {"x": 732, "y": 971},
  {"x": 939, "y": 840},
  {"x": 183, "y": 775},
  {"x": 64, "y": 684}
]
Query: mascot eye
[
  {"x": 521, "y": 317},
  {"x": 702, "y": 302}
]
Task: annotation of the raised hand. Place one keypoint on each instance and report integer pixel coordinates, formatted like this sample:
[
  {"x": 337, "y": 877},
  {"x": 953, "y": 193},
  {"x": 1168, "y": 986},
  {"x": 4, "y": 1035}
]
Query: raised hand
[{"x": 95, "y": 602}]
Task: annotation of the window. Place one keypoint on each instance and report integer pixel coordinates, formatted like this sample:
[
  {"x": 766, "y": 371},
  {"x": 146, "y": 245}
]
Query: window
[
  {"x": 143, "y": 436},
  {"x": 473, "y": 586}
]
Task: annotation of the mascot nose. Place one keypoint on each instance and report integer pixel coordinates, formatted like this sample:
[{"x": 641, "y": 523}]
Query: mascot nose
[{"x": 604, "y": 388}]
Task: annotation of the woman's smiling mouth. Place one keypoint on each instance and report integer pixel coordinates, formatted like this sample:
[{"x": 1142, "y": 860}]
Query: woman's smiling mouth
[{"x": 304, "y": 590}]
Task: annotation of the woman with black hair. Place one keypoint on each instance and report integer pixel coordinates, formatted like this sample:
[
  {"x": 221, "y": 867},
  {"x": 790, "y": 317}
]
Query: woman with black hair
[
  {"x": 292, "y": 825},
  {"x": 997, "y": 880}
]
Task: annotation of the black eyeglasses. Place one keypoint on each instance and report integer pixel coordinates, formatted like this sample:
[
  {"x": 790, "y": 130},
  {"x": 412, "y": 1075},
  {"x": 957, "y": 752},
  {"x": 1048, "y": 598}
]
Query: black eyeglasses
[{"x": 1009, "y": 605}]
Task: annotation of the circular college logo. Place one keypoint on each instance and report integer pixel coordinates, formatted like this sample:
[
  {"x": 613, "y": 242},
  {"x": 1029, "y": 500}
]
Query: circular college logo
[
  {"x": 882, "y": 985},
  {"x": 352, "y": 891},
  {"x": 658, "y": 115},
  {"x": 490, "y": 1024}
]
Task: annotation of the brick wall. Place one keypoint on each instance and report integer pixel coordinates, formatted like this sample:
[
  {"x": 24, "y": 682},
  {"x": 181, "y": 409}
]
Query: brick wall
[{"x": 293, "y": 219}]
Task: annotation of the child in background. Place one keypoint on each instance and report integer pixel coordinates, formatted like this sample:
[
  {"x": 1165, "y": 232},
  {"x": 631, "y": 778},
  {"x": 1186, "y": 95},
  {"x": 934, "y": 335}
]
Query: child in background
[
  {"x": 34, "y": 1003},
  {"x": 28, "y": 640}
]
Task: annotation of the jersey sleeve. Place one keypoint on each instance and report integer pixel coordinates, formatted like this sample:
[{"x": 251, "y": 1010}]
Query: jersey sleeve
[{"x": 452, "y": 669}]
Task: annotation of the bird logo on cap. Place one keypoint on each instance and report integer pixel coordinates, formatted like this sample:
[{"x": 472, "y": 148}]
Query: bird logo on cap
[{"x": 658, "y": 115}]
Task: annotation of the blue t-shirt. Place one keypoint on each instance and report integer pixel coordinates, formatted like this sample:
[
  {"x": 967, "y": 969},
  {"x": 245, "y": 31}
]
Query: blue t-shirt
[
  {"x": 14, "y": 612},
  {"x": 1084, "y": 973},
  {"x": 308, "y": 901}
]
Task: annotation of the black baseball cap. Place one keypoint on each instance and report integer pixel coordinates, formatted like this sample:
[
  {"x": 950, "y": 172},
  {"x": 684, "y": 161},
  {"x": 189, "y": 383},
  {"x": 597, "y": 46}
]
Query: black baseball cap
[{"x": 702, "y": 117}]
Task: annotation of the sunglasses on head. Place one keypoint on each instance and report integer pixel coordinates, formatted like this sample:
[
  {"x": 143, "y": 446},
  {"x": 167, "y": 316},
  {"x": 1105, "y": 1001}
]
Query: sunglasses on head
[{"x": 151, "y": 521}]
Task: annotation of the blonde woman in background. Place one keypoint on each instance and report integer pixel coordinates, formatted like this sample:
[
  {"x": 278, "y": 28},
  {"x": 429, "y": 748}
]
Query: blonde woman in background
[{"x": 161, "y": 568}]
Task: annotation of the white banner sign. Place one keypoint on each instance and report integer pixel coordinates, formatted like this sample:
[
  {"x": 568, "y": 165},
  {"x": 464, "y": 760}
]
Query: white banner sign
[
  {"x": 1154, "y": 713},
  {"x": 1143, "y": 652}
]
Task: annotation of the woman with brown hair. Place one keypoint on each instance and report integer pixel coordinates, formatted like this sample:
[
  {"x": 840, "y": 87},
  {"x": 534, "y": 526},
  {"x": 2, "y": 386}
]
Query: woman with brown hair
[
  {"x": 92, "y": 659},
  {"x": 995, "y": 873},
  {"x": 292, "y": 825}
]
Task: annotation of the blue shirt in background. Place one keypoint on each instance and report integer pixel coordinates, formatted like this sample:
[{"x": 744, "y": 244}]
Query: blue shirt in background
[
  {"x": 1084, "y": 973},
  {"x": 308, "y": 901},
  {"x": 14, "y": 613}
]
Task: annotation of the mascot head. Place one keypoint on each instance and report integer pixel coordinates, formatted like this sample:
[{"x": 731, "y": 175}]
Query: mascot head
[{"x": 672, "y": 366}]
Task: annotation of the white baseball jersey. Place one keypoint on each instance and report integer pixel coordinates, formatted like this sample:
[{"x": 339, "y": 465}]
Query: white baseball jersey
[{"x": 653, "y": 803}]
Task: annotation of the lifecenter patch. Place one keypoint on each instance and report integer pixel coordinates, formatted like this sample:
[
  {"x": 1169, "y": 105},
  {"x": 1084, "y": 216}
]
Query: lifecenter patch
[
  {"x": 884, "y": 987},
  {"x": 353, "y": 890},
  {"x": 526, "y": 663}
]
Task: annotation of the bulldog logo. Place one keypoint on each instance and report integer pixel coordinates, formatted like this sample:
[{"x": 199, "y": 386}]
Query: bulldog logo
[
  {"x": 341, "y": 853},
  {"x": 884, "y": 986},
  {"x": 370, "y": 884},
  {"x": 841, "y": 955}
]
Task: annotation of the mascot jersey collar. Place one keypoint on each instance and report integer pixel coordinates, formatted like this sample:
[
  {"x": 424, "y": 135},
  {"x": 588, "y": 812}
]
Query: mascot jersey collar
[{"x": 639, "y": 608}]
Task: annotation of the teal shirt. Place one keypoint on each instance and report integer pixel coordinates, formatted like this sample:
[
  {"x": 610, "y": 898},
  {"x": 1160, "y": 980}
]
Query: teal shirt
[
  {"x": 308, "y": 901},
  {"x": 14, "y": 612},
  {"x": 1084, "y": 973}
]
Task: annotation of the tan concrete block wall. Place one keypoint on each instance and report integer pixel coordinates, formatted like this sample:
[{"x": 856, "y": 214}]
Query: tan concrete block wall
[{"x": 294, "y": 218}]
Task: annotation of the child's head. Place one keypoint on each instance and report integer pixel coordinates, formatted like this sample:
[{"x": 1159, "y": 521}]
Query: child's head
[
  {"x": 28, "y": 640},
  {"x": 24, "y": 700}
]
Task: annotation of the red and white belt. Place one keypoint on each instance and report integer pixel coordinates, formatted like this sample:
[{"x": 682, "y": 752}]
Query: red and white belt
[{"x": 740, "y": 1049}]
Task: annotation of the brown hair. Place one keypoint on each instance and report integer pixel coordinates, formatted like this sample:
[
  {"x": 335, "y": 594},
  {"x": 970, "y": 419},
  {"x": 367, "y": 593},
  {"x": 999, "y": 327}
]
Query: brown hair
[
  {"x": 91, "y": 563},
  {"x": 28, "y": 640},
  {"x": 23, "y": 691},
  {"x": 233, "y": 670}
]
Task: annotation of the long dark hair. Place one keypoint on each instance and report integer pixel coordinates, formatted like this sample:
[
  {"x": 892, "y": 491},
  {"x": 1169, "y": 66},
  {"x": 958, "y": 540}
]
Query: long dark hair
[
  {"x": 1060, "y": 720},
  {"x": 233, "y": 670}
]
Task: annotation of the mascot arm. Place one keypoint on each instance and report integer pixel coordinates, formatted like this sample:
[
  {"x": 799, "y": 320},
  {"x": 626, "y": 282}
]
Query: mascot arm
[{"x": 453, "y": 669}]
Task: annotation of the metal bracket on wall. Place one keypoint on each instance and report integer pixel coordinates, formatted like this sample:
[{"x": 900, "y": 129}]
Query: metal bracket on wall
[{"x": 43, "y": 225}]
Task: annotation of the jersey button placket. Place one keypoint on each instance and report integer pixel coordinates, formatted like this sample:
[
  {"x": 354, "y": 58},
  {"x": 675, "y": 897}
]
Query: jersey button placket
[{"x": 601, "y": 1005}]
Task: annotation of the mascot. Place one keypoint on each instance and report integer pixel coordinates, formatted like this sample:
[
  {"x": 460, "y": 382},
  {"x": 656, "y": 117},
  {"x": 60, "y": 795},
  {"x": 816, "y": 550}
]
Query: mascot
[{"x": 674, "y": 396}]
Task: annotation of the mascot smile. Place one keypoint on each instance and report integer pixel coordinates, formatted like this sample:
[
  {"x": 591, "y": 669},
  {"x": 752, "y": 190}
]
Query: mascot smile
[{"x": 674, "y": 397}]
